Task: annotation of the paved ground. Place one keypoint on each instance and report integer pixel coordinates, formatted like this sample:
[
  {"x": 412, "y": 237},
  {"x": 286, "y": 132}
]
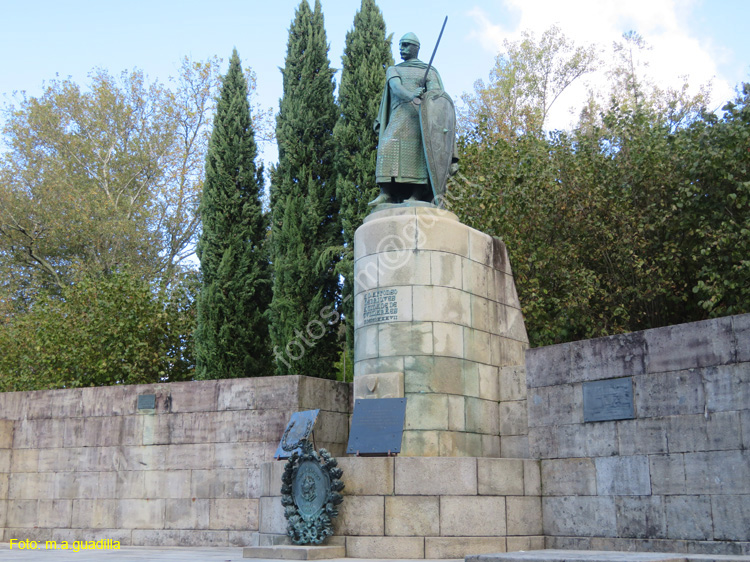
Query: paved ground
[{"x": 141, "y": 554}]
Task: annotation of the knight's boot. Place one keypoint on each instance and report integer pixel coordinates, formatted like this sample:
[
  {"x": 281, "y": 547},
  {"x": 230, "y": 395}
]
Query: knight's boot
[{"x": 382, "y": 198}]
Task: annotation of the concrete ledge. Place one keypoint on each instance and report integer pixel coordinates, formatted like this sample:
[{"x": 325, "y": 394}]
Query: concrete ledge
[
  {"x": 289, "y": 552},
  {"x": 600, "y": 556}
]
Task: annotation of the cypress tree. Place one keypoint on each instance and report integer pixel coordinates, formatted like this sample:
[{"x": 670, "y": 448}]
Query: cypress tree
[
  {"x": 367, "y": 55},
  {"x": 232, "y": 333},
  {"x": 304, "y": 209}
]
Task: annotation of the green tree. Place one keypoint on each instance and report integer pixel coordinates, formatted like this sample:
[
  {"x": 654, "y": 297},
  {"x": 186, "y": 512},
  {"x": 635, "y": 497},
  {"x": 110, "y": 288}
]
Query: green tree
[
  {"x": 304, "y": 207},
  {"x": 232, "y": 332},
  {"x": 94, "y": 179},
  {"x": 112, "y": 329},
  {"x": 367, "y": 55}
]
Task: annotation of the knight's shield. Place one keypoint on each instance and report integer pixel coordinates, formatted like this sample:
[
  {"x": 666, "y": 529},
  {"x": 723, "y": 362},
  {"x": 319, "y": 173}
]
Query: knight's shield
[{"x": 437, "y": 119}]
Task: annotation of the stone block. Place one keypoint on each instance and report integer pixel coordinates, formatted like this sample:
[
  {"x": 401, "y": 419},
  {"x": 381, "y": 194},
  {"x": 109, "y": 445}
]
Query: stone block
[
  {"x": 480, "y": 313},
  {"x": 689, "y": 517},
  {"x": 186, "y": 513},
  {"x": 717, "y": 472},
  {"x": 532, "y": 477},
  {"x": 480, "y": 249},
  {"x": 233, "y": 514},
  {"x": 381, "y": 385},
  {"x": 433, "y": 375},
  {"x": 400, "y": 268},
  {"x": 24, "y": 460},
  {"x": 5, "y": 455},
  {"x": 548, "y": 366},
  {"x": 63, "y": 403},
  {"x": 482, "y": 416},
  {"x": 44, "y": 433},
  {"x": 31, "y": 486},
  {"x": 54, "y": 513},
  {"x": 448, "y": 339},
  {"x": 543, "y": 442},
  {"x": 744, "y": 427},
  {"x": 516, "y": 328},
  {"x": 491, "y": 446},
  {"x": 360, "y": 515},
  {"x": 524, "y": 515},
  {"x": 239, "y": 455},
  {"x": 623, "y": 476},
  {"x": 511, "y": 295},
  {"x": 426, "y": 411},
  {"x": 741, "y": 329},
  {"x": 477, "y": 346},
  {"x": 687, "y": 346},
  {"x": 166, "y": 483},
  {"x": 130, "y": 484},
  {"x": 420, "y": 444},
  {"x": 555, "y": 405},
  {"x": 611, "y": 357},
  {"x": 6, "y": 434},
  {"x": 667, "y": 474},
  {"x": 441, "y": 304},
  {"x": 192, "y": 455},
  {"x": 456, "y": 413},
  {"x": 513, "y": 418},
  {"x": 731, "y": 517},
  {"x": 641, "y": 436},
  {"x": 458, "y": 547},
  {"x": 590, "y": 440},
  {"x": 179, "y": 537},
  {"x": 498, "y": 321},
  {"x": 194, "y": 396},
  {"x": 566, "y": 477},
  {"x": 366, "y": 476},
  {"x": 293, "y": 552},
  {"x": 108, "y": 401},
  {"x": 669, "y": 394},
  {"x": 435, "y": 476},
  {"x": 470, "y": 371},
  {"x": 281, "y": 393},
  {"x": 727, "y": 387},
  {"x": 385, "y": 235},
  {"x": 332, "y": 427},
  {"x": 412, "y": 516},
  {"x": 478, "y": 279},
  {"x": 22, "y": 513},
  {"x": 366, "y": 342},
  {"x": 384, "y": 547},
  {"x": 472, "y": 516},
  {"x": 101, "y": 432},
  {"x": 235, "y": 394},
  {"x": 516, "y": 544},
  {"x": 140, "y": 514},
  {"x": 366, "y": 274},
  {"x": 94, "y": 513},
  {"x": 445, "y": 270},
  {"x": 696, "y": 433},
  {"x": 270, "y": 474},
  {"x": 225, "y": 483},
  {"x": 459, "y": 444},
  {"x": 512, "y": 383},
  {"x": 489, "y": 382},
  {"x": 405, "y": 338},
  {"x": 271, "y": 516},
  {"x": 506, "y": 351},
  {"x": 74, "y": 485},
  {"x": 641, "y": 517},
  {"x": 442, "y": 235},
  {"x": 4, "y": 478},
  {"x": 580, "y": 516},
  {"x": 500, "y": 477}
]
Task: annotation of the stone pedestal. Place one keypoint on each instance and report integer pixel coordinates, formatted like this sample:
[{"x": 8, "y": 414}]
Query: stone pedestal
[{"x": 435, "y": 300}]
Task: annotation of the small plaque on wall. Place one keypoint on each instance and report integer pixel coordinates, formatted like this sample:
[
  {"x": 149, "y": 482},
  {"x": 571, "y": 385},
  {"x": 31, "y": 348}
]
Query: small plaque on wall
[
  {"x": 377, "y": 426},
  {"x": 608, "y": 400}
]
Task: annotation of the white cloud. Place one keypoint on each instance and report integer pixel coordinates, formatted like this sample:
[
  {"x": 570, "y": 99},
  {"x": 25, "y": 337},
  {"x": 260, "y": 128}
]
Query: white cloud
[{"x": 674, "y": 52}]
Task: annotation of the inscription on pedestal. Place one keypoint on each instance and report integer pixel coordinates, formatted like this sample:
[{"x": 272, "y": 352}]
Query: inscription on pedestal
[
  {"x": 608, "y": 400},
  {"x": 381, "y": 305}
]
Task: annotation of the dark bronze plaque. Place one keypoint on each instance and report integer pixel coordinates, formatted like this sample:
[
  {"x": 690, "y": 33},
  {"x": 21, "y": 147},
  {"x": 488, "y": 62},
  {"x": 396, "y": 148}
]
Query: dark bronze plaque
[
  {"x": 300, "y": 427},
  {"x": 146, "y": 401},
  {"x": 377, "y": 425},
  {"x": 608, "y": 400},
  {"x": 310, "y": 488}
]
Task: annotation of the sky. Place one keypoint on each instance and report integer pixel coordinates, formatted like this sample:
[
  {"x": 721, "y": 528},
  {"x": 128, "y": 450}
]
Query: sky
[{"x": 704, "y": 40}]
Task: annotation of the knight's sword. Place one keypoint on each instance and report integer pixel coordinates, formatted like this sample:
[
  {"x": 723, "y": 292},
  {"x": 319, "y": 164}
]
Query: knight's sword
[{"x": 429, "y": 64}]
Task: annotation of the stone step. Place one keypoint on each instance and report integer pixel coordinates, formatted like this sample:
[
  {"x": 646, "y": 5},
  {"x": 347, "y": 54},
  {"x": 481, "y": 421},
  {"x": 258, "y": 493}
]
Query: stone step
[
  {"x": 292, "y": 552},
  {"x": 601, "y": 556}
]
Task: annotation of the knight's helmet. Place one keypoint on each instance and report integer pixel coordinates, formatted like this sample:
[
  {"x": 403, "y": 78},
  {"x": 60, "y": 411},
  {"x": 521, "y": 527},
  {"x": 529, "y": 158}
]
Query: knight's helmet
[{"x": 410, "y": 38}]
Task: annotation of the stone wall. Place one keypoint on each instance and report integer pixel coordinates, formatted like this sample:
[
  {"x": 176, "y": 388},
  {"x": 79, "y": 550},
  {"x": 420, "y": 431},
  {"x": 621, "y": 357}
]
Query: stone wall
[
  {"x": 674, "y": 478},
  {"x": 87, "y": 464},
  {"x": 428, "y": 507}
]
